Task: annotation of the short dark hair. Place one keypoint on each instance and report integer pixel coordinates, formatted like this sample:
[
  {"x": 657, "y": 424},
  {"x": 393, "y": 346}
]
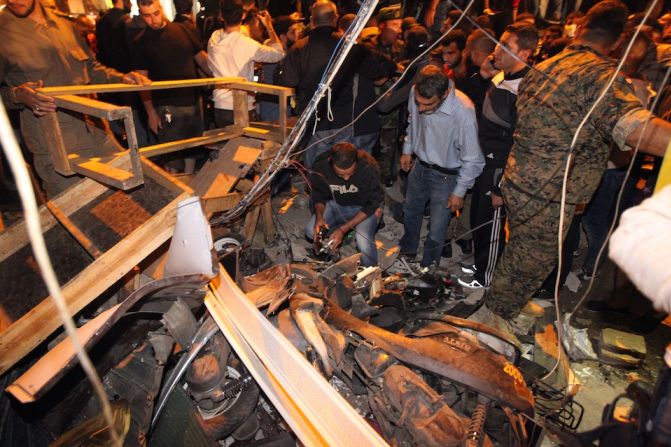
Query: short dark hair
[
  {"x": 484, "y": 21},
  {"x": 431, "y": 81},
  {"x": 145, "y": 2},
  {"x": 604, "y": 22},
  {"x": 417, "y": 41},
  {"x": 345, "y": 21},
  {"x": 232, "y": 11},
  {"x": 457, "y": 36},
  {"x": 183, "y": 6},
  {"x": 527, "y": 35},
  {"x": 481, "y": 41},
  {"x": 343, "y": 155},
  {"x": 282, "y": 24}
]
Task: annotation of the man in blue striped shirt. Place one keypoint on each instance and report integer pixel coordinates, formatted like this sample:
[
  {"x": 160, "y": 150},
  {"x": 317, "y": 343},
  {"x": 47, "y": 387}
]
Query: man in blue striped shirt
[{"x": 443, "y": 137}]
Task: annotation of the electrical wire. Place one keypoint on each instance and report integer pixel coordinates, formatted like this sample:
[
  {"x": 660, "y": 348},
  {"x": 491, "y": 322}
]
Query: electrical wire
[
  {"x": 32, "y": 219},
  {"x": 298, "y": 130},
  {"x": 395, "y": 84}
]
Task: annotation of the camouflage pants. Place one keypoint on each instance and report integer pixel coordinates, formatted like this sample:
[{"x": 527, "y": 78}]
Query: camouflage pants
[
  {"x": 388, "y": 144},
  {"x": 531, "y": 253}
]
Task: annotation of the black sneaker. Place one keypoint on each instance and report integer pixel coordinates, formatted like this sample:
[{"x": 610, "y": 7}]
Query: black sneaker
[
  {"x": 469, "y": 269},
  {"x": 447, "y": 250},
  {"x": 396, "y": 209},
  {"x": 471, "y": 283}
]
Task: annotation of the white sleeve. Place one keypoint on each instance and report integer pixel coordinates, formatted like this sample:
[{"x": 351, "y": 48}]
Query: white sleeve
[{"x": 641, "y": 247}]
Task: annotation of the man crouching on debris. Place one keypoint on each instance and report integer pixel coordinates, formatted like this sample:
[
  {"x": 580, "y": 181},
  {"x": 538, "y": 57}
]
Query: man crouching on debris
[{"x": 347, "y": 195}]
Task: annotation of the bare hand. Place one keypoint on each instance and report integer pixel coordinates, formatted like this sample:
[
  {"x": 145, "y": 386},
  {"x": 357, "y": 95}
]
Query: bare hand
[
  {"x": 154, "y": 121},
  {"x": 39, "y": 103},
  {"x": 487, "y": 70},
  {"x": 497, "y": 200},
  {"x": 315, "y": 231},
  {"x": 265, "y": 19},
  {"x": 406, "y": 162},
  {"x": 336, "y": 238},
  {"x": 134, "y": 77},
  {"x": 455, "y": 202}
]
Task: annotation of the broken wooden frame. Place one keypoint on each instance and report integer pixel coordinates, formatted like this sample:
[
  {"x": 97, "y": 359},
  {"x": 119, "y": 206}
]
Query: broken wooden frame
[
  {"x": 98, "y": 168},
  {"x": 28, "y": 331}
]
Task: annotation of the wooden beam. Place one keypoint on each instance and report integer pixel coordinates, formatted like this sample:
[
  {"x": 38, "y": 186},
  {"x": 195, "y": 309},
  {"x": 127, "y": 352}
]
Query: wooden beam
[
  {"x": 106, "y": 174},
  {"x": 114, "y": 88},
  {"x": 257, "y": 87},
  {"x": 166, "y": 148},
  {"x": 221, "y": 203},
  {"x": 69, "y": 201},
  {"x": 157, "y": 174},
  {"x": 52, "y": 133},
  {"x": 42, "y": 320},
  {"x": 251, "y": 219},
  {"x": 92, "y": 107},
  {"x": 240, "y": 108},
  {"x": 69, "y": 225}
]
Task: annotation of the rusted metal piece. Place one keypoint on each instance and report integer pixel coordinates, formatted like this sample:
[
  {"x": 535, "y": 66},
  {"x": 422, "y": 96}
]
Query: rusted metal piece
[
  {"x": 461, "y": 361},
  {"x": 475, "y": 326},
  {"x": 305, "y": 312},
  {"x": 410, "y": 412}
]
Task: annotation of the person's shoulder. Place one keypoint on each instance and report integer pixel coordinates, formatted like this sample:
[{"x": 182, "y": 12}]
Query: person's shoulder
[{"x": 462, "y": 100}]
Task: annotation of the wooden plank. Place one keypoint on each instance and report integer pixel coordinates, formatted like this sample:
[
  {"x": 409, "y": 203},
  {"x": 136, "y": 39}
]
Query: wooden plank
[
  {"x": 83, "y": 240},
  {"x": 35, "y": 326},
  {"x": 267, "y": 220},
  {"x": 92, "y": 107},
  {"x": 221, "y": 203},
  {"x": 166, "y": 148},
  {"x": 170, "y": 182},
  {"x": 113, "y": 88},
  {"x": 103, "y": 173},
  {"x": 283, "y": 117},
  {"x": 251, "y": 219},
  {"x": 263, "y": 133},
  {"x": 69, "y": 201},
  {"x": 257, "y": 87},
  {"x": 218, "y": 177},
  {"x": 59, "y": 155},
  {"x": 240, "y": 108}
]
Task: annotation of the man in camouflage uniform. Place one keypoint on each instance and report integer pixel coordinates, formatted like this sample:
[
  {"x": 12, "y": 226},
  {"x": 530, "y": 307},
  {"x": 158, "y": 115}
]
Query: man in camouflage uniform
[
  {"x": 388, "y": 42},
  {"x": 552, "y": 101}
]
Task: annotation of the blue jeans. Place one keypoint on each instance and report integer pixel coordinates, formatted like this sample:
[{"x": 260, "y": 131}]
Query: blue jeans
[
  {"x": 366, "y": 142},
  {"x": 330, "y": 137},
  {"x": 426, "y": 185},
  {"x": 600, "y": 214},
  {"x": 336, "y": 215}
]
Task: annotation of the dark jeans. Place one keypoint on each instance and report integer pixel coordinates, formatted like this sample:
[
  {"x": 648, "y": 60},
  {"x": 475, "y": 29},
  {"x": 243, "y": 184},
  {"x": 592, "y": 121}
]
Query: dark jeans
[
  {"x": 185, "y": 122},
  {"x": 600, "y": 214},
  {"x": 225, "y": 117},
  {"x": 426, "y": 185}
]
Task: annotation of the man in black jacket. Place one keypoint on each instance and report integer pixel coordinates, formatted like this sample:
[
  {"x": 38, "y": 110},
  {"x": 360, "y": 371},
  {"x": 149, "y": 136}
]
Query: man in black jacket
[
  {"x": 303, "y": 68},
  {"x": 347, "y": 195},
  {"x": 496, "y": 125}
]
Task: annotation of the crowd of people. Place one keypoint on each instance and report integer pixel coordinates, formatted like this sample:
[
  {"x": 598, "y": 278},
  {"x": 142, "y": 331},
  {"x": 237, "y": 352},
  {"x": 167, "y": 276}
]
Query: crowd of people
[{"x": 478, "y": 110}]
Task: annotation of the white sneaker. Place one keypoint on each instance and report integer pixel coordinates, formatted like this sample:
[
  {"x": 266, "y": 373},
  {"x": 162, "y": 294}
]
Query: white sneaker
[
  {"x": 469, "y": 269},
  {"x": 471, "y": 283}
]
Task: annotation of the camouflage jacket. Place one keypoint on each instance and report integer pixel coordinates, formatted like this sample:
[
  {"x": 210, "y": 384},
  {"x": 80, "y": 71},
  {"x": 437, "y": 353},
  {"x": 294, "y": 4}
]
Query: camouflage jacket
[{"x": 552, "y": 101}]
